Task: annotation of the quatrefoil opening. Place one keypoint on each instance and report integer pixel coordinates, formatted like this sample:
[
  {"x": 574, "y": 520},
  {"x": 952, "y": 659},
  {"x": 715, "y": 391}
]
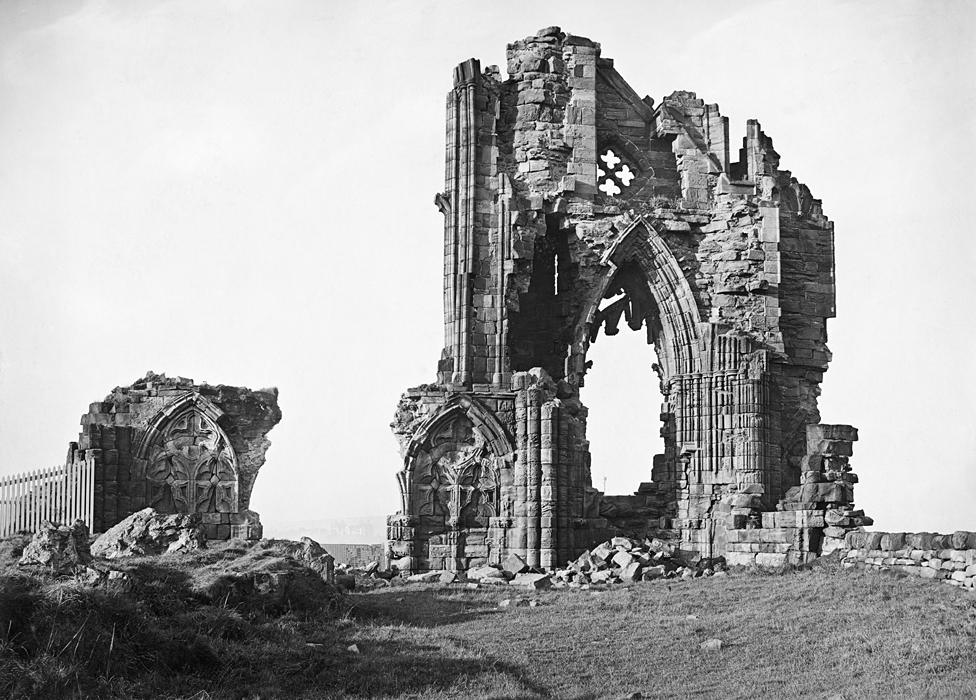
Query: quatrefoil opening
[{"x": 613, "y": 173}]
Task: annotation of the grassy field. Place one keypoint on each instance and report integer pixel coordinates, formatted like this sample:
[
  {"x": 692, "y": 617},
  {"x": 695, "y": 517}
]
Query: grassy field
[
  {"x": 813, "y": 634},
  {"x": 823, "y": 633}
]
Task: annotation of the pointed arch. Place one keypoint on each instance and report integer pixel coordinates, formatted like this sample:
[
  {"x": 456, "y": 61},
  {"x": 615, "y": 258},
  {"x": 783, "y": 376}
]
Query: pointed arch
[
  {"x": 189, "y": 462},
  {"x": 483, "y": 419},
  {"x": 190, "y": 399},
  {"x": 642, "y": 248},
  {"x": 473, "y": 476}
]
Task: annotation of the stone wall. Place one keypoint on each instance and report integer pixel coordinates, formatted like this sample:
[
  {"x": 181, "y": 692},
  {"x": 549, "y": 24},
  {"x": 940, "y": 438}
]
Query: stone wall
[
  {"x": 812, "y": 518},
  {"x": 947, "y": 558},
  {"x": 357, "y": 555},
  {"x": 178, "y": 446}
]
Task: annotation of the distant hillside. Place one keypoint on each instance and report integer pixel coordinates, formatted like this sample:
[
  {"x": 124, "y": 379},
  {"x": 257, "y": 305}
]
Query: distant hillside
[{"x": 367, "y": 529}]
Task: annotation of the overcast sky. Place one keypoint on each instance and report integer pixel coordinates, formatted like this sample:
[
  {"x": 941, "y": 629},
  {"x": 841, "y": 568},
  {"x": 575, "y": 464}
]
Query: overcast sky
[{"x": 242, "y": 193}]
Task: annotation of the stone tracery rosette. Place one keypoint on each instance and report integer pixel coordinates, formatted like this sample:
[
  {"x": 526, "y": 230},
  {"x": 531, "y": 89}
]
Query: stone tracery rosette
[
  {"x": 456, "y": 476},
  {"x": 190, "y": 464}
]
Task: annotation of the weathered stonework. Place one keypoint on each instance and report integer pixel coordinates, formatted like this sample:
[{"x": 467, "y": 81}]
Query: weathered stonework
[
  {"x": 947, "y": 558},
  {"x": 178, "y": 447},
  {"x": 572, "y": 204}
]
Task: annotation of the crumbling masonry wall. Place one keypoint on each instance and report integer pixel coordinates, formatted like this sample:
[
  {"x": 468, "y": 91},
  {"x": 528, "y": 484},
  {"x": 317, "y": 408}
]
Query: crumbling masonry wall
[
  {"x": 179, "y": 447},
  {"x": 571, "y": 206}
]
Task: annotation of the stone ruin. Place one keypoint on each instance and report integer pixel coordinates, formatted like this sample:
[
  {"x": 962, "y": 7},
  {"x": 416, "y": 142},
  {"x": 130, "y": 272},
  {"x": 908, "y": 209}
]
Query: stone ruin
[
  {"x": 178, "y": 447},
  {"x": 573, "y": 204}
]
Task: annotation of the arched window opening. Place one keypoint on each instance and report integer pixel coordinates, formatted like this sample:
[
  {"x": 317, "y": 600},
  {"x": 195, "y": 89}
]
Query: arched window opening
[
  {"x": 539, "y": 333},
  {"x": 624, "y": 399}
]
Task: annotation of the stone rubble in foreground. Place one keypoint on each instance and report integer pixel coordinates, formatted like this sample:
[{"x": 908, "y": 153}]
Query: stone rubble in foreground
[
  {"x": 618, "y": 560},
  {"x": 950, "y": 559}
]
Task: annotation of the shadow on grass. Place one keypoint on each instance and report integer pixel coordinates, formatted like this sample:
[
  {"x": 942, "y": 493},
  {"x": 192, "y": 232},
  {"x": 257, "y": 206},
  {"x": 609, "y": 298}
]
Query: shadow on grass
[
  {"x": 395, "y": 668},
  {"x": 163, "y": 588},
  {"x": 420, "y": 608},
  {"x": 398, "y": 666}
]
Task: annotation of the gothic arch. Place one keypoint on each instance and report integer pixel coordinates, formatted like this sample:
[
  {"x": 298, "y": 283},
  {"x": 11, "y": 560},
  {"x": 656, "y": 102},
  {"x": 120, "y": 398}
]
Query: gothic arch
[
  {"x": 189, "y": 462},
  {"x": 460, "y": 452},
  {"x": 680, "y": 342},
  {"x": 480, "y": 417}
]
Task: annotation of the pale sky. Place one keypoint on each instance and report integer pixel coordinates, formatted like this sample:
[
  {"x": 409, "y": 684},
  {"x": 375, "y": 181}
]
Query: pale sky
[{"x": 242, "y": 193}]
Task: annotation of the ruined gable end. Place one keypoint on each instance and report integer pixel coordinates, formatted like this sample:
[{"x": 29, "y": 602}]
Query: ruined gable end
[
  {"x": 576, "y": 207},
  {"x": 179, "y": 447}
]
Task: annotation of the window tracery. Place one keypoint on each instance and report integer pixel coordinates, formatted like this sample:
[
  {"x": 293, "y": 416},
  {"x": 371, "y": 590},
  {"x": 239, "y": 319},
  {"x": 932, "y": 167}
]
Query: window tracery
[
  {"x": 613, "y": 173},
  {"x": 457, "y": 476},
  {"x": 191, "y": 467}
]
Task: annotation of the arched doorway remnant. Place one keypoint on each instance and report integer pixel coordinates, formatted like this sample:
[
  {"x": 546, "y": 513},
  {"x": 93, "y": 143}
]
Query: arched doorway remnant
[{"x": 565, "y": 189}]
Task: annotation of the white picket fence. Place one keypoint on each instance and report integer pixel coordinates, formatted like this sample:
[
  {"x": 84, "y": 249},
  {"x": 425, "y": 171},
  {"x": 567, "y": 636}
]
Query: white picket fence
[{"x": 59, "y": 495}]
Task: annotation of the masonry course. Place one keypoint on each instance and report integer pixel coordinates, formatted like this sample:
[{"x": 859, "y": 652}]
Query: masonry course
[
  {"x": 574, "y": 207},
  {"x": 178, "y": 446}
]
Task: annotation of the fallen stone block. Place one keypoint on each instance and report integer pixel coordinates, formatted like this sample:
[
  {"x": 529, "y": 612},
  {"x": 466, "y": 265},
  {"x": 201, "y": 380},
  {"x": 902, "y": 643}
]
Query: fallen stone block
[
  {"x": 514, "y": 564},
  {"x": 425, "y": 577},
  {"x": 58, "y": 547},
  {"x": 603, "y": 552},
  {"x": 631, "y": 572},
  {"x": 622, "y": 559},
  {"x": 314, "y": 556},
  {"x": 584, "y": 562},
  {"x": 148, "y": 532},
  {"x": 485, "y": 572},
  {"x": 653, "y": 572},
  {"x": 659, "y": 546},
  {"x": 535, "y": 581}
]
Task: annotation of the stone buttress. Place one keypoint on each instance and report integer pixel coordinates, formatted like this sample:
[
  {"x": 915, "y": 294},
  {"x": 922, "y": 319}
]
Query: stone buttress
[{"x": 572, "y": 205}]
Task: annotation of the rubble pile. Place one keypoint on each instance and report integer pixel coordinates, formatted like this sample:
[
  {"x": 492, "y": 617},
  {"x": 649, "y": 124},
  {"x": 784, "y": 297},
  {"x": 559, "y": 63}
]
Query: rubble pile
[
  {"x": 623, "y": 560},
  {"x": 618, "y": 560}
]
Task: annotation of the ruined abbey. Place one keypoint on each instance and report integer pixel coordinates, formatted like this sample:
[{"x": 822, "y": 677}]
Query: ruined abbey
[{"x": 573, "y": 206}]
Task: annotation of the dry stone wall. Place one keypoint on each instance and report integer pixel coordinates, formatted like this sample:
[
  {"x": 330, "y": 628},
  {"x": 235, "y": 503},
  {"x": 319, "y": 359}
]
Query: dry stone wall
[
  {"x": 947, "y": 558},
  {"x": 575, "y": 207}
]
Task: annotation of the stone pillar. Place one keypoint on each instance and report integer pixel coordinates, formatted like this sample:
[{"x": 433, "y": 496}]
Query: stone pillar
[
  {"x": 534, "y": 472},
  {"x": 548, "y": 537},
  {"x": 470, "y": 167},
  {"x": 519, "y": 539}
]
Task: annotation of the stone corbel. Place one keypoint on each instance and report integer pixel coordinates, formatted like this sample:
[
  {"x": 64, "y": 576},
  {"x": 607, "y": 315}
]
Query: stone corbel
[{"x": 442, "y": 203}]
